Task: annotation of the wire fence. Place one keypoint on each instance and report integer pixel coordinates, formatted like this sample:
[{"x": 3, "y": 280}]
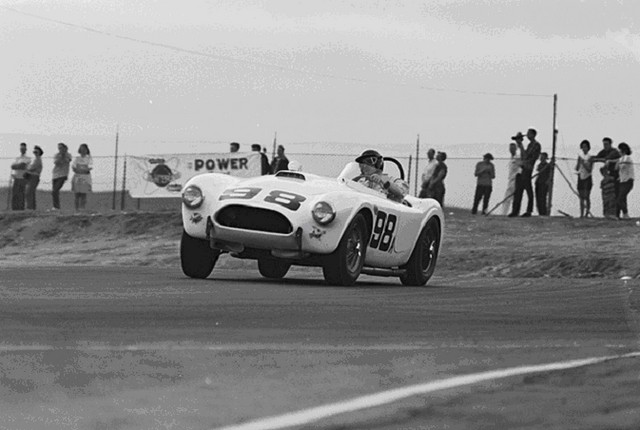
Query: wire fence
[{"x": 109, "y": 181}]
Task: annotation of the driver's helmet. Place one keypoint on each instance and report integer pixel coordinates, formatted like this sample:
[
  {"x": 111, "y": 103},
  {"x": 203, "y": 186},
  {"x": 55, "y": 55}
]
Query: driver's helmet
[{"x": 372, "y": 158}]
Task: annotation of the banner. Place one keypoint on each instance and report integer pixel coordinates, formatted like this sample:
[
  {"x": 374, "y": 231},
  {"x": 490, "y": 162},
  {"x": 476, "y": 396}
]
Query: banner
[{"x": 157, "y": 176}]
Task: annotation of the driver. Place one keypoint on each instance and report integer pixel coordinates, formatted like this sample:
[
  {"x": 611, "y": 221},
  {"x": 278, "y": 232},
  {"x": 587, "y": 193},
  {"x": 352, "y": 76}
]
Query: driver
[{"x": 371, "y": 164}]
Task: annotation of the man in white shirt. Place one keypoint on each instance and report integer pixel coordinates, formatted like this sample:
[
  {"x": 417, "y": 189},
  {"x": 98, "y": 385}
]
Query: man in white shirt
[
  {"x": 513, "y": 169},
  {"x": 18, "y": 168},
  {"x": 427, "y": 173}
]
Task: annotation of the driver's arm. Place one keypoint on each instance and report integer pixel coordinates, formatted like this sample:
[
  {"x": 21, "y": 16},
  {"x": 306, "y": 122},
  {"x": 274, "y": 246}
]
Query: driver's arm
[{"x": 398, "y": 187}]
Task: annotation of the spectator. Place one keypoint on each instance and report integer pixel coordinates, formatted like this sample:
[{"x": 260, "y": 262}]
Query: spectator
[
  {"x": 529, "y": 156},
  {"x": 34, "y": 169},
  {"x": 60, "y": 174},
  {"x": 513, "y": 170},
  {"x": 427, "y": 173},
  {"x": 280, "y": 161},
  {"x": 81, "y": 182},
  {"x": 371, "y": 165},
  {"x": 18, "y": 169},
  {"x": 624, "y": 167},
  {"x": 608, "y": 152},
  {"x": 584, "y": 166},
  {"x": 485, "y": 172},
  {"x": 608, "y": 194},
  {"x": 234, "y": 147},
  {"x": 264, "y": 160},
  {"x": 436, "y": 188},
  {"x": 543, "y": 181}
]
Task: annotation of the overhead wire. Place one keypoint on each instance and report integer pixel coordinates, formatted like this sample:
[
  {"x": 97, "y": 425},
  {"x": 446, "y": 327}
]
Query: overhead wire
[{"x": 264, "y": 64}]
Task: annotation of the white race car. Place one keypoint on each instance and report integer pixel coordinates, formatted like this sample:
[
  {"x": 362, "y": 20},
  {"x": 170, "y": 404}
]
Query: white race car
[{"x": 298, "y": 218}]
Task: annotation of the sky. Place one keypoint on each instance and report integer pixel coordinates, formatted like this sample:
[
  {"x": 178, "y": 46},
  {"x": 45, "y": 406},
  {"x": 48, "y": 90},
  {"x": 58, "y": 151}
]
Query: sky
[{"x": 193, "y": 75}]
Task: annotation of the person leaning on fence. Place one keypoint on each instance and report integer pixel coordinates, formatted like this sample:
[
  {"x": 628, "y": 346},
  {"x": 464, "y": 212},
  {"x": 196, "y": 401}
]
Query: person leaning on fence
[
  {"x": 485, "y": 173},
  {"x": 427, "y": 173},
  {"x": 626, "y": 175},
  {"x": 543, "y": 182},
  {"x": 81, "y": 183},
  {"x": 18, "y": 169},
  {"x": 61, "y": 162},
  {"x": 436, "y": 188},
  {"x": 32, "y": 174},
  {"x": 584, "y": 167},
  {"x": 371, "y": 165}
]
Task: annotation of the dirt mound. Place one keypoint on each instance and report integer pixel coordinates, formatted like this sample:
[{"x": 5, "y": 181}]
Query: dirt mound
[{"x": 536, "y": 247}]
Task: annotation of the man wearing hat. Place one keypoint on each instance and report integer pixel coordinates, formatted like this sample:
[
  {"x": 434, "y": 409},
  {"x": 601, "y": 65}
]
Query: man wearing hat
[
  {"x": 61, "y": 163},
  {"x": 485, "y": 173},
  {"x": 523, "y": 180},
  {"x": 371, "y": 165}
]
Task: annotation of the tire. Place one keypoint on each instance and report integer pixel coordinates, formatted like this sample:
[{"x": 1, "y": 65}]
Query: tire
[
  {"x": 272, "y": 268},
  {"x": 196, "y": 256},
  {"x": 344, "y": 265},
  {"x": 422, "y": 262}
]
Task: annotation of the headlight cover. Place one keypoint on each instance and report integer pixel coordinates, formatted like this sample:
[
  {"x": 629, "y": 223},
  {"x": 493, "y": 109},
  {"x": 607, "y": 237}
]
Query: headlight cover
[
  {"x": 192, "y": 197},
  {"x": 323, "y": 213}
]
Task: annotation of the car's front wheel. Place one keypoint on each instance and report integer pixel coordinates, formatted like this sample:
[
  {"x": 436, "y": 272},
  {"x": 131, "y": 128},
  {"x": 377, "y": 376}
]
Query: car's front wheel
[
  {"x": 422, "y": 262},
  {"x": 196, "y": 256},
  {"x": 344, "y": 265},
  {"x": 272, "y": 268}
]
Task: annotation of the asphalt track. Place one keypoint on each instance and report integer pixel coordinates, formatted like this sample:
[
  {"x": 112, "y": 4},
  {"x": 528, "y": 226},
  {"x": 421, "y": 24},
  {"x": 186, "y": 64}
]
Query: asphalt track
[{"x": 134, "y": 348}]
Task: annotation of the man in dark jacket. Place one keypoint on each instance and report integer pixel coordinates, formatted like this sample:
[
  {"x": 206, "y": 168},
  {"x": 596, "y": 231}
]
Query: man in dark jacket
[{"x": 523, "y": 180}]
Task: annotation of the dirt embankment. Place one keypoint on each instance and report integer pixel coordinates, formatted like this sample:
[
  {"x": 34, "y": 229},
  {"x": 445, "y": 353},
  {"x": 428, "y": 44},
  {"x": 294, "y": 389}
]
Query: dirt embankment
[{"x": 473, "y": 245}]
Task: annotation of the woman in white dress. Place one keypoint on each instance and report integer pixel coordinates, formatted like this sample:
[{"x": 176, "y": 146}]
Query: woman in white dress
[{"x": 81, "y": 182}]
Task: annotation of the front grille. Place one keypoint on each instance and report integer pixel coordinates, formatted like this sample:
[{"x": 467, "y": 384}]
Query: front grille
[{"x": 238, "y": 216}]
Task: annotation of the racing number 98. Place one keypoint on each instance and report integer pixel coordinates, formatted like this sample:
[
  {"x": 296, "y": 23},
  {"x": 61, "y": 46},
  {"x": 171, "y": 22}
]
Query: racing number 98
[{"x": 383, "y": 230}]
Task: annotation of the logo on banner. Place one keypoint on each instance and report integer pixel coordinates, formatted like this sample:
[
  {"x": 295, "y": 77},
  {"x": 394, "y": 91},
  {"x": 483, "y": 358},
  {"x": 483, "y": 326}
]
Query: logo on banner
[{"x": 162, "y": 175}]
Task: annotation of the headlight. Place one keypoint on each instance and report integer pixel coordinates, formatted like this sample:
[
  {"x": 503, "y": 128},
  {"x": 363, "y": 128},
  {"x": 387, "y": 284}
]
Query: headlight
[
  {"x": 323, "y": 213},
  {"x": 192, "y": 197}
]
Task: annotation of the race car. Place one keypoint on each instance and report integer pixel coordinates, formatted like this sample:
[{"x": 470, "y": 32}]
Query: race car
[{"x": 299, "y": 218}]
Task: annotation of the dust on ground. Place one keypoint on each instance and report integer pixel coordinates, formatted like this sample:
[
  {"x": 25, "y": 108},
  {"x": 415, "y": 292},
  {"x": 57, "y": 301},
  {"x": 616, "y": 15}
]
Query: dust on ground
[{"x": 493, "y": 246}]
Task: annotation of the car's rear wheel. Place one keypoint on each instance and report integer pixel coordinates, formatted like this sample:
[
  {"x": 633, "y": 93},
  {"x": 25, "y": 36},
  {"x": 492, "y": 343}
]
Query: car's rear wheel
[
  {"x": 196, "y": 256},
  {"x": 272, "y": 268},
  {"x": 422, "y": 262},
  {"x": 344, "y": 265}
]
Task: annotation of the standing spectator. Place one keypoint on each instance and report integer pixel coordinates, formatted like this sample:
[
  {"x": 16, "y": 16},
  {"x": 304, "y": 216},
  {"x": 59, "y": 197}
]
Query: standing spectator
[
  {"x": 234, "y": 147},
  {"x": 264, "y": 160},
  {"x": 624, "y": 167},
  {"x": 436, "y": 188},
  {"x": 543, "y": 181},
  {"x": 19, "y": 167},
  {"x": 60, "y": 174},
  {"x": 427, "y": 173},
  {"x": 607, "y": 185},
  {"x": 485, "y": 172},
  {"x": 608, "y": 152},
  {"x": 280, "y": 161},
  {"x": 513, "y": 170},
  {"x": 81, "y": 182},
  {"x": 34, "y": 169},
  {"x": 529, "y": 156},
  {"x": 584, "y": 166}
]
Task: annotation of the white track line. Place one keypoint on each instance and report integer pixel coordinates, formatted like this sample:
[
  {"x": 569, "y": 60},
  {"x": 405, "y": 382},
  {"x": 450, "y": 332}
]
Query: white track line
[{"x": 314, "y": 414}]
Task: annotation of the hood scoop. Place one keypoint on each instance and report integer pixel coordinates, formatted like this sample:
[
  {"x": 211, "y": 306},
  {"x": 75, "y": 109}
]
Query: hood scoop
[{"x": 291, "y": 175}]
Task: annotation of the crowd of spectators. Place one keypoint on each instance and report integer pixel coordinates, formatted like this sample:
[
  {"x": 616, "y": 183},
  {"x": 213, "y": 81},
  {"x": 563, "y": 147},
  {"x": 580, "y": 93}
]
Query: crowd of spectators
[{"x": 26, "y": 172}]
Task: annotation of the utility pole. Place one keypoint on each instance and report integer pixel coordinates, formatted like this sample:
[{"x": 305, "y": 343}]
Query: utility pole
[
  {"x": 115, "y": 172},
  {"x": 553, "y": 153},
  {"x": 415, "y": 186}
]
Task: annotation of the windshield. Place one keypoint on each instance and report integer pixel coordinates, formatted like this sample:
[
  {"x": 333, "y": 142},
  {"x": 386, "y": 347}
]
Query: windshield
[{"x": 350, "y": 171}]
